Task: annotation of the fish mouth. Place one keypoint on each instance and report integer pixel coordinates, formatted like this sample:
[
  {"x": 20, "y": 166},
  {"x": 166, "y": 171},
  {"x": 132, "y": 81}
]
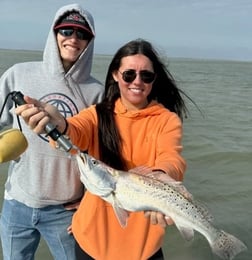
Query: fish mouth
[{"x": 83, "y": 158}]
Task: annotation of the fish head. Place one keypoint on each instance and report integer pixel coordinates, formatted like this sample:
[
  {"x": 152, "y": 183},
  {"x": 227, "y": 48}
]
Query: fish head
[{"x": 95, "y": 175}]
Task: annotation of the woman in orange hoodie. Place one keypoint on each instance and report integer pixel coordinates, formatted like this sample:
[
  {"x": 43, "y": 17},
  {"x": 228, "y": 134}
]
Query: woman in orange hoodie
[{"x": 138, "y": 123}]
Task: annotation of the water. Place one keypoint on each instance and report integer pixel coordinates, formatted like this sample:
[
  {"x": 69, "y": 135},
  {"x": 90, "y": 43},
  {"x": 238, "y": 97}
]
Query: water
[{"x": 217, "y": 146}]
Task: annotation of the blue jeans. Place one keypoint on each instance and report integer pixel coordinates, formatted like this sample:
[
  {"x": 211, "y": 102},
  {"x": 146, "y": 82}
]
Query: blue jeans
[{"x": 22, "y": 227}]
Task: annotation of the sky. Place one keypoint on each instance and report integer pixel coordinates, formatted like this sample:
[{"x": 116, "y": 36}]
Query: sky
[{"x": 205, "y": 29}]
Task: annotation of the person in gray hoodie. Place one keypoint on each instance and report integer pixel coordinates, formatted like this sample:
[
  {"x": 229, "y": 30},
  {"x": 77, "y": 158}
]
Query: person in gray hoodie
[{"x": 43, "y": 186}]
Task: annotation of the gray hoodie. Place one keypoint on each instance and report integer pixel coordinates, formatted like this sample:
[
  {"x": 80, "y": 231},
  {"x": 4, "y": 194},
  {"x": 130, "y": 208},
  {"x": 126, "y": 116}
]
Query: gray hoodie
[{"x": 42, "y": 175}]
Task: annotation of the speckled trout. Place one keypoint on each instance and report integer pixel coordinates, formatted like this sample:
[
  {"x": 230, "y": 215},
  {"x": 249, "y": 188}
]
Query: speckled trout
[{"x": 131, "y": 191}]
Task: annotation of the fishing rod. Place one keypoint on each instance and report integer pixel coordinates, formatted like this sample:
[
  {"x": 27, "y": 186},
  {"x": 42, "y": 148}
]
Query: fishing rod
[{"x": 50, "y": 129}]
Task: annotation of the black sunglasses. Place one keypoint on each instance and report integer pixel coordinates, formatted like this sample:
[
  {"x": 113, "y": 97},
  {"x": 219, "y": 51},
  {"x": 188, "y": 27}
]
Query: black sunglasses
[
  {"x": 81, "y": 34},
  {"x": 145, "y": 75}
]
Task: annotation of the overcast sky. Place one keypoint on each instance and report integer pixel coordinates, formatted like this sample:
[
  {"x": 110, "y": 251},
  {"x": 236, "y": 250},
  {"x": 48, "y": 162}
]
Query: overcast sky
[{"x": 218, "y": 29}]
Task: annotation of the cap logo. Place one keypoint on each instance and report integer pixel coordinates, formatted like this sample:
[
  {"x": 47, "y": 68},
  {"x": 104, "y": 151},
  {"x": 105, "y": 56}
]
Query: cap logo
[{"x": 76, "y": 17}]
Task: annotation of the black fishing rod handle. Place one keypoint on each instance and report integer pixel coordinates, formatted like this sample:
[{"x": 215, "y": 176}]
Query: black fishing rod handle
[
  {"x": 50, "y": 129},
  {"x": 18, "y": 98}
]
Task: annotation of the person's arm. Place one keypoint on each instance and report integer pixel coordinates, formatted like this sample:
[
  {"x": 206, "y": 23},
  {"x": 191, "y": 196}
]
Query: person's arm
[
  {"x": 80, "y": 128},
  {"x": 169, "y": 149},
  {"x": 6, "y": 87},
  {"x": 169, "y": 164},
  {"x": 37, "y": 115}
]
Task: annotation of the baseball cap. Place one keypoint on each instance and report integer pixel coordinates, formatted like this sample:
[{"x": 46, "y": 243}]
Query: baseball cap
[{"x": 73, "y": 19}]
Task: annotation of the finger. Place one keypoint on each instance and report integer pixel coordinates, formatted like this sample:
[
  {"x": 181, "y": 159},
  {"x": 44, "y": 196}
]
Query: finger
[
  {"x": 33, "y": 101},
  {"x": 69, "y": 230},
  {"x": 38, "y": 123},
  {"x": 169, "y": 220},
  {"x": 35, "y": 118},
  {"x": 147, "y": 214},
  {"x": 31, "y": 115},
  {"x": 161, "y": 219},
  {"x": 20, "y": 109},
  {"x": 28, "y": 111},
  {"x": 153, "y": 218}
]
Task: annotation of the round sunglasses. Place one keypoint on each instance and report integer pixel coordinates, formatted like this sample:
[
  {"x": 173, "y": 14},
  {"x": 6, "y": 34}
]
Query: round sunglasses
[
  {"x": 145, "y": 75},
  {"x": 81, "y": 34}
]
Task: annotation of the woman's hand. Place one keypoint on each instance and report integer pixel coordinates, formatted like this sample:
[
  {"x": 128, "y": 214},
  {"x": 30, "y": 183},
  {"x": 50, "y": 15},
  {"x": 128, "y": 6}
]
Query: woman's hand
[
  {"x": 37, "y": 114},
  {"x": 158, "y": 218}
]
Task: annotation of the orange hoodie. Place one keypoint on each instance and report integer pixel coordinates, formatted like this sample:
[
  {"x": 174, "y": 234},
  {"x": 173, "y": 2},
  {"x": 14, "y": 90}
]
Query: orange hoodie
[{"x": 151, "y": 137}]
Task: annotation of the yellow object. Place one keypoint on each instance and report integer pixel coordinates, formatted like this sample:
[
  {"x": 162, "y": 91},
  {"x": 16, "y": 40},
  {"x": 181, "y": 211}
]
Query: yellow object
[{"x": 12, "y": 144}]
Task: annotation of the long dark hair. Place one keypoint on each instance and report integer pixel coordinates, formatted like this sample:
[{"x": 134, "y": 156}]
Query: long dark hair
[{"x": 164, "y": 90}]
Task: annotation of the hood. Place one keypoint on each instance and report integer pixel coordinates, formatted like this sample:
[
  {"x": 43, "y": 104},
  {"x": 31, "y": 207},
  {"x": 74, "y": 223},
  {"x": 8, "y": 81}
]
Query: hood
[
  {"x": 80, "y": 71},
  {"x": 154, "y": 108}
]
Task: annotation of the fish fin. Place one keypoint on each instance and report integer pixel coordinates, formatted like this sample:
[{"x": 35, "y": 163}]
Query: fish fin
[
  {"x": 186, "y": 233},
  {"x": 121, "y": 214},
  {"x": 227, "y": 246}
]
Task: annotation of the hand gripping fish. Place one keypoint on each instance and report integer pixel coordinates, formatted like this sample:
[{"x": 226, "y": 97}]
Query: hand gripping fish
[{"x": 129, "y": 191}]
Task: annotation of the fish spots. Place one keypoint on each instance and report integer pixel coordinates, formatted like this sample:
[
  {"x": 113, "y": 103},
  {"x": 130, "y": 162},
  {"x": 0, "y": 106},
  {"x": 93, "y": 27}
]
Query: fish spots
[
  {"x": 187, "y": 205},
  {"x": 134, "y": 192}
]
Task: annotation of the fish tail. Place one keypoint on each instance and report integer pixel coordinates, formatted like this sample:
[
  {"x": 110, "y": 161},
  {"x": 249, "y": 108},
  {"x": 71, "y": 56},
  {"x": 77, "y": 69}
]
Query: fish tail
[{"x": 227, "y": 246}]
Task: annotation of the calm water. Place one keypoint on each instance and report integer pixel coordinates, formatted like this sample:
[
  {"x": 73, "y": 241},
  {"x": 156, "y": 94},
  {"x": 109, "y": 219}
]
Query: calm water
[{"x": 217, "y": 146}]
